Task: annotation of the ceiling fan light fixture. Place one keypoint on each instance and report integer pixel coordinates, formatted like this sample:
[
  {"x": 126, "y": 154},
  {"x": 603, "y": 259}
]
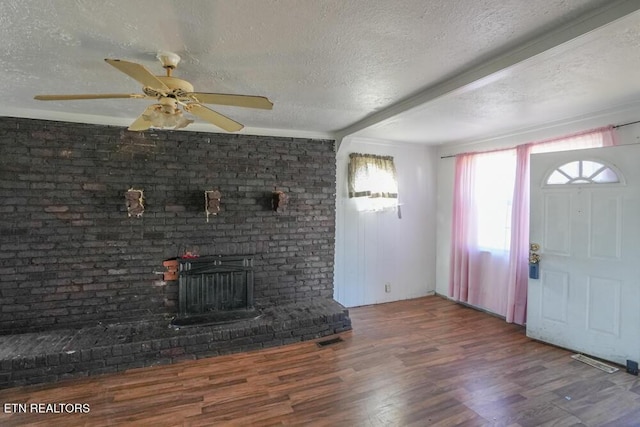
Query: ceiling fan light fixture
[
  {"x": 165, "y": 116},
  {"x": 182, "y": 122}
]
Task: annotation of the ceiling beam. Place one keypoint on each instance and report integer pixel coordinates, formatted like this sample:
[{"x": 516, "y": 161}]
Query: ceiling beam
[{"x": 480, "y": 75}]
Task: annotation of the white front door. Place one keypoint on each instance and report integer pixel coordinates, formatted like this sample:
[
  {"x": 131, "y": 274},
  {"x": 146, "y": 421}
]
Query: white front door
[{"x": 587, "y": 297}]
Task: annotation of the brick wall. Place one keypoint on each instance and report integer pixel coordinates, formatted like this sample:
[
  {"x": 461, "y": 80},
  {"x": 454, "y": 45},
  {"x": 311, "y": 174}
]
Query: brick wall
[{"x": 70, "y": 255}]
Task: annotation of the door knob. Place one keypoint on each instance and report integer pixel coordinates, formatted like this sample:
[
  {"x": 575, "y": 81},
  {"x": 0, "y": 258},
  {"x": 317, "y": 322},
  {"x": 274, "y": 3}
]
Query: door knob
[{"x": 534, "y": 261}]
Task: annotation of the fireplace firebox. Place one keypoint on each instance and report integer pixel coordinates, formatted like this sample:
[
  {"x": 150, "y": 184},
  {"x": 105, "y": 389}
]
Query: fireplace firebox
[{"x": 214, "y": 289}]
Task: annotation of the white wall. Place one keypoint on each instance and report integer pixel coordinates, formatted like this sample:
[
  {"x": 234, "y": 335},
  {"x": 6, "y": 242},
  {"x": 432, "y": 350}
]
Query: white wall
[
  {"x": 630, "y": 134},
  {"x": 375, "y": 248},
  {"x": 627, "y": 134}
]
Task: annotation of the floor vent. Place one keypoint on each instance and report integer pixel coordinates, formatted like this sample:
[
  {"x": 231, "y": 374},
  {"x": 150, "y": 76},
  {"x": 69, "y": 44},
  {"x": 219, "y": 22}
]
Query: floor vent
[
  {"x": 595, "y": 363},
  {"x": 329, "y": 342}
]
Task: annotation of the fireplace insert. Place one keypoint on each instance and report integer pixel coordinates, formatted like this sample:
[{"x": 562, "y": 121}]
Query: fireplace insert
[{"x": 214, "y": 289}]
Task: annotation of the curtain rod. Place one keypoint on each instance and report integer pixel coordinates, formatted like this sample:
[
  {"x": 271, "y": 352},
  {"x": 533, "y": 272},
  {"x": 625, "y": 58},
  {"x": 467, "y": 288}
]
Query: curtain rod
[
  {"x": 615, "y": 127},
  {"x": 626, "y": 124}
]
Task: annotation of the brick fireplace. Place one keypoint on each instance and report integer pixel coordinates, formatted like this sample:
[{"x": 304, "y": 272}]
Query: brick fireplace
[{"x": 71, "y": 258}]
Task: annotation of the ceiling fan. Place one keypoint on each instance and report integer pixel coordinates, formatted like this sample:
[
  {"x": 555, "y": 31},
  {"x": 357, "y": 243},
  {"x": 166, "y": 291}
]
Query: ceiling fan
[{"x": 171, "y": 93}]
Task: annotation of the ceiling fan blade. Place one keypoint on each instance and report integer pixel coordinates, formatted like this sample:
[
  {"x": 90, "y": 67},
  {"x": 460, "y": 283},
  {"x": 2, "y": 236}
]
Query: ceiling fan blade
[
  {"x": 213, "y": 117},
  {"x": 138, "y": 72},
  {"x": 141, "y": 123},
  {"x": 87, "y": 96},
  {"x": 234, "y": 100}
]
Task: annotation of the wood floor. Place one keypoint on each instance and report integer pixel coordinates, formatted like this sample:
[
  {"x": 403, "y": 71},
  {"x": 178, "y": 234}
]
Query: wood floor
[{"x": 423, "y": 362}]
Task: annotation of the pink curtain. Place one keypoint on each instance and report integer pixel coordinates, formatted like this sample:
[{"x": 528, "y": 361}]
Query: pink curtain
[
  {"x": 600, "y": 137},
  {"x": 519, "y": 252},
  {"x": 478, "y": 276},
  {"x": 462, "y": 225},
  {"x": 609, "y": 136}
]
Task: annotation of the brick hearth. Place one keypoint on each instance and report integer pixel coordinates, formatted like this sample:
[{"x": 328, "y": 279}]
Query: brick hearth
[{"x": 60, "y": 354}]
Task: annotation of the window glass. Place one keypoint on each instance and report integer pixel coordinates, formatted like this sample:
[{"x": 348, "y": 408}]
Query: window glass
[
  {"x": 605, "y": 176},
  {"x": 571, "y": 169},
  {"x": 583, "y": 172},
  {"x": 590, "y": 168},
  {"x": 558, "y": 178},
  {"x": 494, "y": 178},
  {"x": 373, "y": 181}
]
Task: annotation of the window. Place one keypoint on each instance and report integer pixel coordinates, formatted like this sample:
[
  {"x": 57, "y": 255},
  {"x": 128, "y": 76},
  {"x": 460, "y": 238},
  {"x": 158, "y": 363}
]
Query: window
[
  {"x": 493, "y": 180},
  {"x": 583, "y": 172},
  {"x": 373, "y": 181}
]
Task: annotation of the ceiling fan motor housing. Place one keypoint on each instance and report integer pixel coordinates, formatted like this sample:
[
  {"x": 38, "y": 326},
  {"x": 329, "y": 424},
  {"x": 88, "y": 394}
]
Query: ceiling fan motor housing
[
  {"x": 176, "y": 84},
  {"x": 179, "y": 88}
]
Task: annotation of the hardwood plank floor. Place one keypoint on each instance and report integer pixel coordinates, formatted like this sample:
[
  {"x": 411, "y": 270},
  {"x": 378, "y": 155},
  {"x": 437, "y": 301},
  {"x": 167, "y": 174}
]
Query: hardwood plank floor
[{"x": 422, "y": 362}]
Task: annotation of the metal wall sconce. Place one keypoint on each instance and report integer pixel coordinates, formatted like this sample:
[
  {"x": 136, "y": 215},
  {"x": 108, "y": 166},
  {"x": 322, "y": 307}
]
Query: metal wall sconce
[
  {"x": 212, "y": 202},
  {"x": 279, "y": 200},
  {"x": 135, "y": 202}
]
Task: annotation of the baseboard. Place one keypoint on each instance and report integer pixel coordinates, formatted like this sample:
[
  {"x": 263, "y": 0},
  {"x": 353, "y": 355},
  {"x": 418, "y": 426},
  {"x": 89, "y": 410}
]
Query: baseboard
[{"x": 465, "y": 304}]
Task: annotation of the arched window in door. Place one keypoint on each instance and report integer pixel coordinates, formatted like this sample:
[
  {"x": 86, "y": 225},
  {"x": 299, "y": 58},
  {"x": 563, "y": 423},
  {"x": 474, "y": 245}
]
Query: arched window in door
[{"x": 583, "y": 172}]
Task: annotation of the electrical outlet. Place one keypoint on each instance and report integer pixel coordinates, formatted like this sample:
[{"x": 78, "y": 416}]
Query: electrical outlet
[{"x": 387, "y": 287}]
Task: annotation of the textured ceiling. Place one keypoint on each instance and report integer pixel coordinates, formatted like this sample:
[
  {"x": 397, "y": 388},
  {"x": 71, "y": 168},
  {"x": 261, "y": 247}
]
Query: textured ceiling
[
  {"x": 592, "y": 74},
  {"x": 326, "y": 64}
]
